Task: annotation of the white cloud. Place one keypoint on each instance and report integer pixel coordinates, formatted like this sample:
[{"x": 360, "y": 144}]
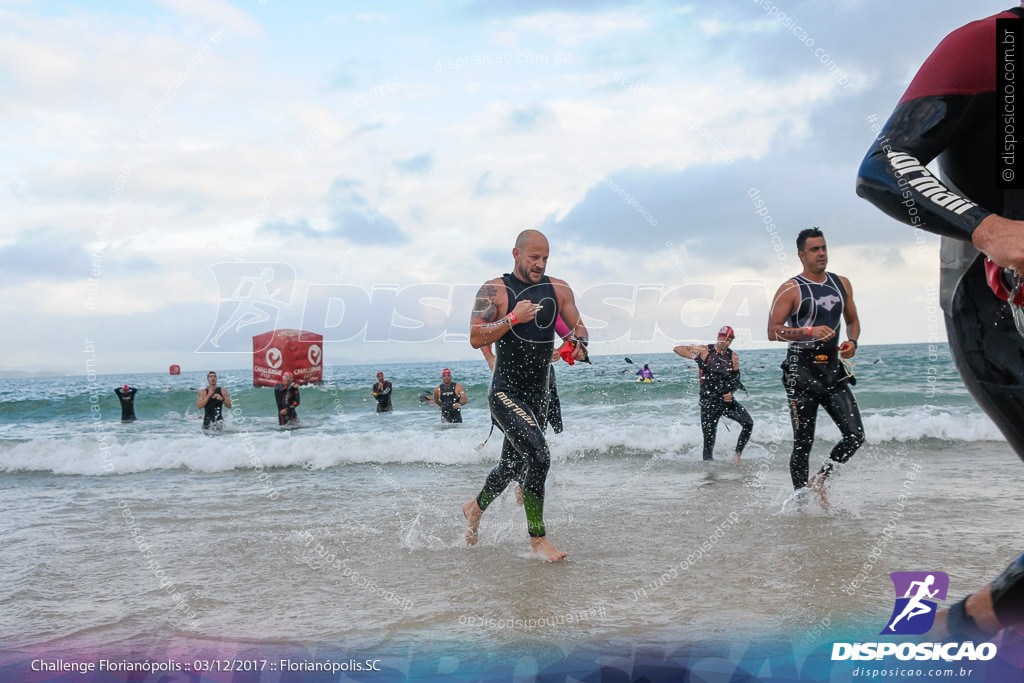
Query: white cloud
[
  {"x": 374, "y": 17},
  {"x": 572, "y": 29},
  {"x": 216, "y": 14}
]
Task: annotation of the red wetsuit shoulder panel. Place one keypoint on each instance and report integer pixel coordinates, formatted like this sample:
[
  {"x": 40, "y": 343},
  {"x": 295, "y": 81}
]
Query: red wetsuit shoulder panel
[{"x": 964, "y": 63}]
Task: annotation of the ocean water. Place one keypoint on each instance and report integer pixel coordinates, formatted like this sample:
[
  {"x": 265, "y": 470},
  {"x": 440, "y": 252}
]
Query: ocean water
[{"x": 343, "y": 540}]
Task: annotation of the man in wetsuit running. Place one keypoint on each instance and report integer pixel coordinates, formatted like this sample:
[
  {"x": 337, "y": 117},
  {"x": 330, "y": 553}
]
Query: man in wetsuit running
[
  {"x": 450, "y": 397},
  {"x": 517, "y": 312},
  {"x": 286, "y": 395},
  {"x": 126, "y": 395},
  {"x": 719, "y": 378},
  {"x": 807, "y": 312},
  {"x": 952, "y": 111},
  {"x": 212, "y": 399},
  {"x": 382, "y": 393}
]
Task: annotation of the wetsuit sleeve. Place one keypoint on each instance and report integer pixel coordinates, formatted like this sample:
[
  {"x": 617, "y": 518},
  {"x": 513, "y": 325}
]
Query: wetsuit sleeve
[
  {"x": 933, "y": 112},
  {"x": 1008, "y": 594}
]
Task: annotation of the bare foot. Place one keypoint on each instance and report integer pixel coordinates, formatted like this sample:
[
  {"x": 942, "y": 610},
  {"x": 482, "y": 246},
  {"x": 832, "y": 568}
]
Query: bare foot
[
  {"x": 736, "y": 459},
  {"x": 819, "y": 484},
  {"x": 541, "y": 548},
  {"x": 473, "y": 513},
  {"x": 519, "y": 493}
]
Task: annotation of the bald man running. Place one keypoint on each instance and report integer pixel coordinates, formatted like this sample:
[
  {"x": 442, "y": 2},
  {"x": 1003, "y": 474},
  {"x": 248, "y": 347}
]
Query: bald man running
[{"x": 517, "y": 313}]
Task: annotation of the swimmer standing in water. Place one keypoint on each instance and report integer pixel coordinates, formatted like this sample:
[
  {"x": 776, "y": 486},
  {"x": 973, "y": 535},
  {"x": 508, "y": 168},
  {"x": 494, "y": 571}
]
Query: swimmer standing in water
[
  {"x": 808, "y": 311},
  {"x": 719, "y": 378},
  {"x": 212, "y": 399},
  {"x": 286, "y": 395},
  {"x": 517, "y": 312},
  {"x": 126, "y": 395}
]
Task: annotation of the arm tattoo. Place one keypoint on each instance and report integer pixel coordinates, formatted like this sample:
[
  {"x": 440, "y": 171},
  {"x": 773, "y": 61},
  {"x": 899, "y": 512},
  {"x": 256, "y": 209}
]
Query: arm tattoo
[{"x": 484, "y": 308}]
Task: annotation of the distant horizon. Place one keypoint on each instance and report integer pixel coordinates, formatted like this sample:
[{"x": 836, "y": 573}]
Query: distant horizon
[{"x": 6, "y": 374}]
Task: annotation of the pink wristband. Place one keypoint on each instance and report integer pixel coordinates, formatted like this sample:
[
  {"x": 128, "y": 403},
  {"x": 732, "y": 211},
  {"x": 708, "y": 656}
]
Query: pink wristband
[
  {"x": 512, "y": 318},
  {"x": 561, "y": 329}
]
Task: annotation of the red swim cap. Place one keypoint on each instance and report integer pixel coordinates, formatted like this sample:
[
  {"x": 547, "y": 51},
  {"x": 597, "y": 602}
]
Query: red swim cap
[
  {"x": 124, "y": 388},
  {"x": 727, "y": 331},
  {"x": 287, "y": 374}
]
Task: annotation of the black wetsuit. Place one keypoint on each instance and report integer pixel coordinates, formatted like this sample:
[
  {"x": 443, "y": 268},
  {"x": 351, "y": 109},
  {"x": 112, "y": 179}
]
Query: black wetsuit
[
  {"x": 814, "y": 375},
  {"x": 212, "y": 416},
  {"x": 287, "y": 398},
  {"x": 449, "y": 397},
  {"x": 554, "y": 405},
  {"x": 951, "y": 111},
  {"x": 717, "y": 378},
  {"x": 127, "y": 399},
  {"x": 383, "y": 396},
  {"x": 518, "y": 398}
]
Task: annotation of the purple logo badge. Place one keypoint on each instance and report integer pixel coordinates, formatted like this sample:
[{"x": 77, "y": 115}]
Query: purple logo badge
[{"x": 914, "y": 612}]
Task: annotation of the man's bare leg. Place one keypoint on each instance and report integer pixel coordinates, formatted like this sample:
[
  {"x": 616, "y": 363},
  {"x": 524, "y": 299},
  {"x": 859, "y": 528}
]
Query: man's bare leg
[
  {"x": 736, "y": 459},
  {"x": 540, "y": 547},
  {"x": 519, "y": 493},
  {"x": 819, "y": 484},
  {"x": 472, "y": 512}
]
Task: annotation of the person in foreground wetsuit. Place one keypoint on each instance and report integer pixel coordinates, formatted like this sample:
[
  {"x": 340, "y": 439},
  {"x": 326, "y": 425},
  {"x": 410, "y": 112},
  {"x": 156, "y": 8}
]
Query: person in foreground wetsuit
[
  {"x": 807, "y": 312},
  {"x": 952, "y": 111},
  {"x": 126, "y": 395},
  {"x": 517, "y": 313},
  {"x": 719, "y": 378},
  {"x": 286, "y": 395},
  {"x": 212, "y": 399}
]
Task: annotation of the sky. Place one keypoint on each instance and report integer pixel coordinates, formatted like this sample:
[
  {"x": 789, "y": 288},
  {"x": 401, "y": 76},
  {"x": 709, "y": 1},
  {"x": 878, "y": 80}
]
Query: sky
[{"x": 181, "y": 175}]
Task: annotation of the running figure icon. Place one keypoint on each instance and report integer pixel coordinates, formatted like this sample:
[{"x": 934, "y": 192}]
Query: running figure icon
[{"x": 916, "y": 607}]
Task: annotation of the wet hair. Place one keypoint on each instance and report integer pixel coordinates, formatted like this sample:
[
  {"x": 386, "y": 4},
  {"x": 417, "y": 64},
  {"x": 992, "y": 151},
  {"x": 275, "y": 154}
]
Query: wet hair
[{"x": 805, "y": 234}]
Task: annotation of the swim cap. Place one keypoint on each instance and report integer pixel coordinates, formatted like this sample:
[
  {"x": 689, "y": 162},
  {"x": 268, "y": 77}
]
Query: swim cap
[
  {"x": 124, "y": 388},
  {"x": 287, "y": 374},
  {"x": 446, "y": 371},
  {"x": 380, "y": 372},
  {"x": 726, "y": 331}
]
